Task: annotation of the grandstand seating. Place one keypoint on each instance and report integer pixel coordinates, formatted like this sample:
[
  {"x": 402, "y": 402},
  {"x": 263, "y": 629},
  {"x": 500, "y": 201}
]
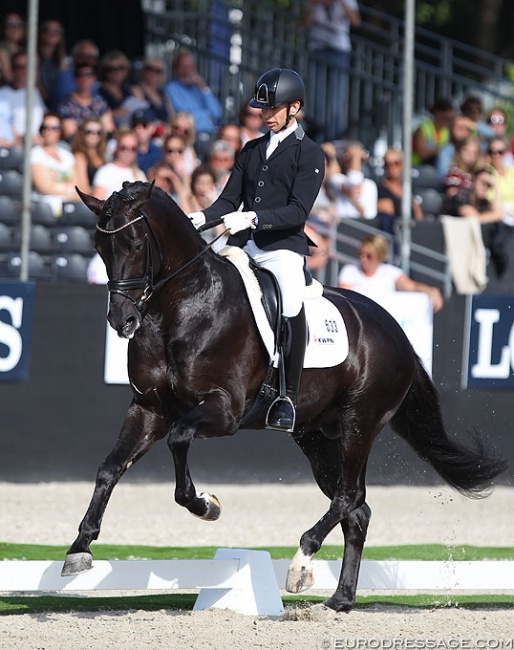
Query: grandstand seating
[
  {"x": 38, "y": 266},
  {"x": 10, "y": 210},
  {"x": 73, "y": 239},
  {"x": 75, "y": 213},
  {"x": 11, "y": 182},
  {"x": 71, "y": 267},
  {"x": 11, "y": 158}
]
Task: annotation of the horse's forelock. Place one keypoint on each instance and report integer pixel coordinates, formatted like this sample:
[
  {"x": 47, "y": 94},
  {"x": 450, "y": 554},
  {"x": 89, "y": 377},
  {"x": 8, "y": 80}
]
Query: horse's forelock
[{"x": 121, "y": 203}]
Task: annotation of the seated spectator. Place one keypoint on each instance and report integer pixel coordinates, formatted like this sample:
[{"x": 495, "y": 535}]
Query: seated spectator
[
  {"x": 467, "y": 159},
  {"x": 251, "y": 123},
  {"x": 150, "y": 90},
  {"x": 473, "y": 108},
  {"x": 12, "y": 40},
  {"x": 187, "y": 91},
  {"x": 174, "y": 153},
  {"x": 503, "y": 173},
  {"x": 390, "y": 192},
  {"x": 355, "y": 195},
  {"x": 461, "y": 127},
  {"x": 110, "y": 177},
  {"x": 373, "y": 276},
  {"x": 231, "y": 133},
  {"x": 148, "y": 151},
  {"x": 51, "y": 48},
  {"x": 318, "y": 258},
  {"x": 183, "y": 124},
  {"x": 88, "y": 146},
  {"x": 164, "y": 176},
  {"x": 7, "y": 137},
  {"x": 114, "y": 88},
  {"x": 432, "y": 134},
  {"x": 221, "y": 158},
  {"x": 53, "y": 167},
  {"x": 15, "y": 95},
  {"x": 497, "y": 120},
  {"x": 84, "y": 102},
  {"x": 84, "y": 51},
  {"x": 475, "y": 202},
  {"x": 324, "y": 209},
  {"x": 203, "y": 187}
]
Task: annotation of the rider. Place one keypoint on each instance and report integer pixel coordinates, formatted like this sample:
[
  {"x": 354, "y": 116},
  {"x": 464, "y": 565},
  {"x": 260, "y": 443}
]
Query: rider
[{"x": 276, "y": 178}]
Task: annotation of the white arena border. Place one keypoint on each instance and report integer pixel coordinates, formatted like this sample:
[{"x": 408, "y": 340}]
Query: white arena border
[{"x": 249, "y": 582}]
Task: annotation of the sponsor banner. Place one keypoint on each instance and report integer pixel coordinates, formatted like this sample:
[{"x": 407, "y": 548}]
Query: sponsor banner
[
  {"x": 489, "y": 342},
  {"x": 16, "y": 313},
  {"x": 412, "y": 310}
]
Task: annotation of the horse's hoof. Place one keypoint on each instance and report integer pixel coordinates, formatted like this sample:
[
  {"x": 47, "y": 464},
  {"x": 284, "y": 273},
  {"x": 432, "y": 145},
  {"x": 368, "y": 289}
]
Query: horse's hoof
[
  {"x": 317, "y": 613},
  {"x": 76, "y": 563},
  {"x": 299, "y": 575},
  {"x": 213, "y": 507}
]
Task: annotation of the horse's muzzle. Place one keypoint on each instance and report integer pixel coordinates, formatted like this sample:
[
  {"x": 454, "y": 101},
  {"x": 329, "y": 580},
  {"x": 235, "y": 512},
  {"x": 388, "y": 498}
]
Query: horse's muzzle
[{"x": 124, "y": 318}]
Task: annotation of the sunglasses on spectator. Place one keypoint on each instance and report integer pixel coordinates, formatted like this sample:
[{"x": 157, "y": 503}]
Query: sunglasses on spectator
[
  {"x": 154, "y": 68},
  {"x": 14, "y": 23},
  {"x": 496, "y": 152},
  {"x": 92, "y": 132},
  {"x": 87, "y": 55},
  {"x": 174, "y": 150},
  {"x": 124, "y": 147},
  {"x": 115, "y": 68},
  {"x": 177, "y": 127},
  {"x": 51, "y": 127},
  {"x": 496, "y": 119},
  {"x": 52, "y": 30},
  {"x": 80, "y": 75}
]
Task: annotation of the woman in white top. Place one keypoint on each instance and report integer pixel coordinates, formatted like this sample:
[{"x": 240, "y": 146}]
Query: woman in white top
[
  {"x": 53, "y": 166},
  {"x": 110, "y": 177},
  {"x": 373, "y": 276}
]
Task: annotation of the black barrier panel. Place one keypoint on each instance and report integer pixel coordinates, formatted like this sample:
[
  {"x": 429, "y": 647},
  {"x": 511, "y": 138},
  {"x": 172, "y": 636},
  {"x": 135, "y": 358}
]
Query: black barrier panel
[
  {"x": 16, "y": 316},
  {"x": 61, "y": 423}
]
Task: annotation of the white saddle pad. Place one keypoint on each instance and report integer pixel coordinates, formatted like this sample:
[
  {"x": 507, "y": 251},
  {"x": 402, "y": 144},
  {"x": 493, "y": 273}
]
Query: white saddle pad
[{"x": 328, "y": 338}]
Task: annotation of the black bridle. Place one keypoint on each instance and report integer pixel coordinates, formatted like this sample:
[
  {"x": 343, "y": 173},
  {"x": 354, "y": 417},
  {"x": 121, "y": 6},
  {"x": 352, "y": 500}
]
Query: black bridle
[{"x": 147, "y": 283}]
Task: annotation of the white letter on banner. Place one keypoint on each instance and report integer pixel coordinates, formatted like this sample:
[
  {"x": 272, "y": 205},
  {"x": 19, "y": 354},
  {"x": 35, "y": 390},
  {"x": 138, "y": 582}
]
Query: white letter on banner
[
  {"x": 9, "y": 334},
  {"x": 484, "y": 368}
]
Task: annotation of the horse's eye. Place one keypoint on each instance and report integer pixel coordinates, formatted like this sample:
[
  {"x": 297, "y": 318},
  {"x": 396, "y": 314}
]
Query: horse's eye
[{"x": 137, "y": 246}]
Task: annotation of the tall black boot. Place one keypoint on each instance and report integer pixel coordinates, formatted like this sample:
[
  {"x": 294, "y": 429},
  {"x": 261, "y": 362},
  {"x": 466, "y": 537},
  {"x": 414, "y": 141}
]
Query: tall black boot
[{"x": 281, "y": 414}]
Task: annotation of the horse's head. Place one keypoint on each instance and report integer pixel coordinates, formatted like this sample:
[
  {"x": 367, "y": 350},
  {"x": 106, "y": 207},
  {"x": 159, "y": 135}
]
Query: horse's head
[{"x": 127, "y": 245}]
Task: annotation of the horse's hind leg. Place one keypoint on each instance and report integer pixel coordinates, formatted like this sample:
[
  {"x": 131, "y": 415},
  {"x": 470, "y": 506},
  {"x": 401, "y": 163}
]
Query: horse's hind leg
[{"x": 139, "y": 432}]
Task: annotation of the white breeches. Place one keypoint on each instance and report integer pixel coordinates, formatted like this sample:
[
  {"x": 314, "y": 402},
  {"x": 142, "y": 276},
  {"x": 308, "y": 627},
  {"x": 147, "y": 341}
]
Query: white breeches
[{"x": 287, "y": 266}]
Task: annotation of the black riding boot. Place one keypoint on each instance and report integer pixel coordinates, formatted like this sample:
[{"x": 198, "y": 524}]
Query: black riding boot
[{"x": 281, "y": 414}]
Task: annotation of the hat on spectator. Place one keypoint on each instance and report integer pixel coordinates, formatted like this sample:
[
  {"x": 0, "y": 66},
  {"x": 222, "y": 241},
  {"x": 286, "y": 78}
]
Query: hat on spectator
[{"x": 142, "y": 116}]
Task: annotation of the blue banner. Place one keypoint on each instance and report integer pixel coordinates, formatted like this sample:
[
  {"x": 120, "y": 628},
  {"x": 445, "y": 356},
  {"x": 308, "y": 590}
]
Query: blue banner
[
  {"x": 16, "y": 311},
  {"x": 490, "y": 349}
]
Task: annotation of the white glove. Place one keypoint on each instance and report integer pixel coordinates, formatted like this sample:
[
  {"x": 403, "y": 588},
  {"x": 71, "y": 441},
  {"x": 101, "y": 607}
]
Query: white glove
[
  {"x": 237, "y": 221},
  {"x": 197, "y": 219}
]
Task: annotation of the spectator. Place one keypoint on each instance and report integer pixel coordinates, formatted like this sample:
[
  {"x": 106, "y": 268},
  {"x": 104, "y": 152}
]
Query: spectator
[
  {"x": 324, "y": 209},
  {"x": 96, "y": 271},
  {"x": 187, "y": 91},
  {"x": 110, "y": 177},
  {"x": 51, "y": 48},
  {"x": 373, "y": 276},
  {"x": 318, "y": 258},
  {"x": 7, "y": 136},
  {"x": 231, "y": 133},
  {"x": 173, "y": 152},
  {"x": 165, "y": 177},
  {"x": 503, "y": 174},
  {"x": 84, "y": 102},
  {"x": 16, "y": 95},
  {"x": 467, "y": 159},
  {"x": 113, "y": 71},
  {"x": 53, "y": 167},
  {"x": 497, "y": 120},
  {"x": 473, "y": 108},
  {"x": 150, "y": 89},
  {"x": 251, "y": 123},
  {"x": 203, "y": 187},
  {"x": 148, "y": 151},
  {"x": 475, "y": 202},
  {"x": 221, "y": 158},
  {"x": 12, "y": 40},
  {"x": 88, "y": 146},
  {"x": 328, "y": 23},
  {"x": 355, "y": 195},
  {"x": 432, "y": 134},
  {"x": 83, "y": 52},
  {"x": 183, "y": 124},
  {"x": 461, "y": 127},
  {"x": 390, "y": 192}
]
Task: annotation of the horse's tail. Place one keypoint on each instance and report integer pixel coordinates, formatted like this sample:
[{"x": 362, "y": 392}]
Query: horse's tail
[{"x": 419, "y": 422}]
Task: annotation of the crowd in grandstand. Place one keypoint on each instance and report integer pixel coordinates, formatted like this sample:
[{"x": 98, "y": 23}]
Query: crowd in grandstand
[{"x": 99, "y": 119}]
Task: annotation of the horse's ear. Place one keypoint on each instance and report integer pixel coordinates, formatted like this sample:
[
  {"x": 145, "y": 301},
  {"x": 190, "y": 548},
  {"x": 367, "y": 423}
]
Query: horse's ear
[
  {"x": 140, "y": 200},
  {"x": 94, "y": 204}
]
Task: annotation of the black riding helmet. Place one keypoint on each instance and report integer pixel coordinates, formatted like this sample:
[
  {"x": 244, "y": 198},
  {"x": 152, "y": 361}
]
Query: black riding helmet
[{"x": 278, "y": 86}]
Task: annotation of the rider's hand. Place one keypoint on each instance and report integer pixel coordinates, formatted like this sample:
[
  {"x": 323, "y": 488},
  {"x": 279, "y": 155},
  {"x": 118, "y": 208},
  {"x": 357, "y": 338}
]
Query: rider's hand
[
  {"x": 197, "y": 219},
  {"x": 237, "y": 221}
]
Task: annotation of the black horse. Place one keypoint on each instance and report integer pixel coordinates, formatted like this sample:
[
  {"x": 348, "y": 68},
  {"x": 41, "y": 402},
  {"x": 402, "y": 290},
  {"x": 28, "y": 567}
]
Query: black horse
[{"x": 196, "y": 365}]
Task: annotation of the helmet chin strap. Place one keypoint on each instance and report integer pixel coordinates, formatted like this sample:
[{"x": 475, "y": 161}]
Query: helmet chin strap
[{"x": 288, "y": 118}]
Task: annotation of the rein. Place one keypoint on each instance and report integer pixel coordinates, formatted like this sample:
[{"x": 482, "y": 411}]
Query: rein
[{"x": 146, "y": 283}]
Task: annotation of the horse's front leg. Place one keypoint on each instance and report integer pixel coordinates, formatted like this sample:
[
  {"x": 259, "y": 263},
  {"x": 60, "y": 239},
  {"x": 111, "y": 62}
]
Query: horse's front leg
[
  {"x": 213, "y": 417},
  {"x": 140, "y": 431}
]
